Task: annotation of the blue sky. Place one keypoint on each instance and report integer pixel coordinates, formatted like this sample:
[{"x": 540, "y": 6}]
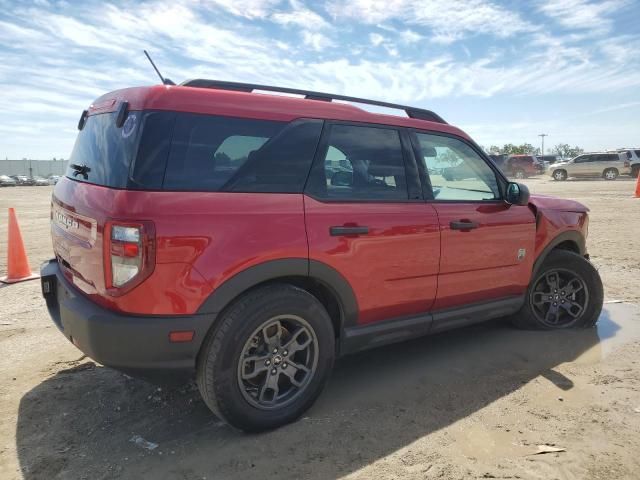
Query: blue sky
[{"x": 504, "y": 71}]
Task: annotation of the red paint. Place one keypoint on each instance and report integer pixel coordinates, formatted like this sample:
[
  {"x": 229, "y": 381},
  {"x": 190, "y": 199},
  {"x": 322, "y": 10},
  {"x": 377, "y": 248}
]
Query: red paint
[
  {"x": 392, "y": 270},
  {"x": 251, "y": 105},
  {"x": 482, "y": 264},
  {"x": 410, "y": 262}
]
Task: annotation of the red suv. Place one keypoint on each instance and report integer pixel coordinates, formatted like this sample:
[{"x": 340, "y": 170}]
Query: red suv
[
  {"x": 523, "y": 166},
  {"x": 252, "y": 238}
]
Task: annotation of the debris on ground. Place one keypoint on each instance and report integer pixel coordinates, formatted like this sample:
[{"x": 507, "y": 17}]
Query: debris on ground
[
  {"x": 542, "y": 449},
  {"x": 142, "y": 443}
]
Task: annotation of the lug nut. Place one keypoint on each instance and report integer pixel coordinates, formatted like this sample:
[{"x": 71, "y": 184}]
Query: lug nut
[
  {"x": 285, "y": 352},
  {"x": 561, "y": 293},
  {"x": 275, "y": 350},
  {"x": 555, "y": 304},
  {"x": 274, "y": 371},
  {"x": 267, "y": 362},
  {"x": 285, "y": 365}
]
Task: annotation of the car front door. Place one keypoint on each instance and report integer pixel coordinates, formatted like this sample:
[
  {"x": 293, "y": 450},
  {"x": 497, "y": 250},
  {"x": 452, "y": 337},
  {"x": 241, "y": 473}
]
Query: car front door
[
  {"x": 581, "y": 166},
  {"x": 366, "y": 220},
  {"x": 487, "y": 245}
]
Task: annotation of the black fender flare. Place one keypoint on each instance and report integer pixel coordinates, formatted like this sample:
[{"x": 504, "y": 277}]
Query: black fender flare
[
  {"x": 569, "y": 236},
  {"x": 272, "y": 270}
]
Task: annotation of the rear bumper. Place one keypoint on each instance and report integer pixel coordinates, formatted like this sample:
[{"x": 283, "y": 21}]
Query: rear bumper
[{"x": 135, "y": 344}]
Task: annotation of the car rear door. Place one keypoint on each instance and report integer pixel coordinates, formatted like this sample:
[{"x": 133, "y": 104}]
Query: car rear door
[
  {"x": 366, "y": 220},
  {"x": 487, "y": 245}
]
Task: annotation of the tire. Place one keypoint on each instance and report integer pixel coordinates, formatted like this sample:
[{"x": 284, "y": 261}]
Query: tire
[
  {"x": 534, "y": 315},
  {"x": 249, "y": 404},
  {"x": 519, "y": 174},
  {"x": 610, "y": 174},
  {"x": 560, "y": 175}
]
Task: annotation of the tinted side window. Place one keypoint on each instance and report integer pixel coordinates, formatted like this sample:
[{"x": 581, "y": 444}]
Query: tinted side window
[
  {"x": 456, "y": 171},
  {"x": 637, "y": 153},
  {"x": 360, "y": 163},
  {"x": 211, "y": 153},
  {"x": 155, "y": 143}
]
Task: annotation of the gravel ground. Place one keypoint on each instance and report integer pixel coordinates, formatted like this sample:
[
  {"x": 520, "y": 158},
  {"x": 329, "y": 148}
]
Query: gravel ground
[{"x": 474, "y": 403}]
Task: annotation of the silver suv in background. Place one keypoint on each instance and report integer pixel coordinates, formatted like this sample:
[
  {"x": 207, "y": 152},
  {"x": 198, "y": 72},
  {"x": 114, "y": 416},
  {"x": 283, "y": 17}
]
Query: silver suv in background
[
  {"x": 606, "y": 165},
  {"x": 633, "y": 155}
]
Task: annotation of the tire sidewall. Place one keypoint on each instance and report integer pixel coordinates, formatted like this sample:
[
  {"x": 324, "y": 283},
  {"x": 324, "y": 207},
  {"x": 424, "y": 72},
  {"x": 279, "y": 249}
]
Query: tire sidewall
[
  {"x": 230, "y": 401},
  {"x": 565, "y": 260}
]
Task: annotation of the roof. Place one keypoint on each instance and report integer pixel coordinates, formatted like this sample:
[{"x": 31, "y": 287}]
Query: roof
[{"x": 252, "y": 105}]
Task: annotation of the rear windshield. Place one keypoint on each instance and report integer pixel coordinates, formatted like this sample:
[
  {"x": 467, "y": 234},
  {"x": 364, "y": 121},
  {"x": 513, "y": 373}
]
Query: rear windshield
[
  {"x": 104, "y": 151},
  {"x": 191, "y": 152}
]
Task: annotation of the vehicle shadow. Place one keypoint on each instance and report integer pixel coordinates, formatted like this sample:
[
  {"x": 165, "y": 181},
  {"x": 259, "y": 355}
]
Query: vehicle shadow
[{"x": 79, "y": 423}]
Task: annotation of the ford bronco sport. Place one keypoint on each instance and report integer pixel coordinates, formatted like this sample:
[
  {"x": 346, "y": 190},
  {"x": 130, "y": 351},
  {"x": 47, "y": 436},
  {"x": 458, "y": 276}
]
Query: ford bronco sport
[{"x": 252, "y": 238}]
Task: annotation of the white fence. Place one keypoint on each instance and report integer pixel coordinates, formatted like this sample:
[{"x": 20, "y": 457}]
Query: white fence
[{"x": 33, "y": 168}]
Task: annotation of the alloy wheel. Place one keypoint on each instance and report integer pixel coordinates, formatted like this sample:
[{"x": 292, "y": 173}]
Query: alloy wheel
[
  {"x": 559, "y": 298},
  {"x": 278, "y": 362}
]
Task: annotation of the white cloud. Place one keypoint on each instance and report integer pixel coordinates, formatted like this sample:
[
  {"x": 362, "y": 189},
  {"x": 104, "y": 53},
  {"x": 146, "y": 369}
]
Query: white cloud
[
  {"x": 448, "y": 20},
  {"x": 300, "y": 16},
  {"x": 63, "y": 62},
  {"x": 582, "y": 14},
  {"x": 248, "y": 8},
  {"x": 316, "y": 41},
  {"x": 376, "y": 39}
]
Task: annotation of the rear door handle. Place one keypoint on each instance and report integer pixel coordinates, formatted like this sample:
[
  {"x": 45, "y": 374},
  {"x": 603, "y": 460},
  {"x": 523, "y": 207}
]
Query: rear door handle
[
  {"x": 463, "y": 225},
  {"x": 339, "y": 231}
]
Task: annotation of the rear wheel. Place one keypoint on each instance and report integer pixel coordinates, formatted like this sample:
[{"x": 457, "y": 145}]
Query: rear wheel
[
  {"x": 560, "y": 175},
  {"x": 610, "y": 174},
  {"x": 519, "y": 174},
  {"x": 565, "y": 293},
  {"x": 267, "y": 359}
]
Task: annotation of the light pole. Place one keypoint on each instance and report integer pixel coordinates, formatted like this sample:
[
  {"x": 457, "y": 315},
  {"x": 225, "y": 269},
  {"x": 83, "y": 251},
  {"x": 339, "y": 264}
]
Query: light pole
[{"x": 542, "y": 135}]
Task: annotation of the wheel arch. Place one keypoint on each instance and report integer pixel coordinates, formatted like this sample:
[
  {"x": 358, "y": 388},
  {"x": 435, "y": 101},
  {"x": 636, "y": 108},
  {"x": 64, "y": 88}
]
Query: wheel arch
[
  {"x": 571, "y": 240},
  {"x": 321, "y": 280}
]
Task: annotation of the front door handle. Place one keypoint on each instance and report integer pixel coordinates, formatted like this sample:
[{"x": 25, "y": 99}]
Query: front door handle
[
  {"x": 463, "y": 225},
  {"x": 339, "y": 231}
]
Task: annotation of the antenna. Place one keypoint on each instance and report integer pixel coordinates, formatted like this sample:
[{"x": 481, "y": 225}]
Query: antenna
[{"x": 165, "y": 81}]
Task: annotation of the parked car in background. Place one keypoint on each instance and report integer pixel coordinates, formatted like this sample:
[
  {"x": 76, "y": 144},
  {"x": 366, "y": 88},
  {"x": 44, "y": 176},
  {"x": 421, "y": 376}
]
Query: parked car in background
[
  {"x": 522, "y": 166},
  {"x": 606, "y": 165},
  {"x": 7, "y": 181},
  {"x": 498, "y": 159},
  {"x": 40, "y": 182},
  {"x": 22, "y": 180},
  {"x": 547, "y": 160},
  {"x": 53, "y": 179},
  {"x": 633, "y": 155}
]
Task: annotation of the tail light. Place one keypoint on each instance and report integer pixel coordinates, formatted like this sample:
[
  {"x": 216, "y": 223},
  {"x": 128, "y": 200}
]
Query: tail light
[{"x": 129, "y": 255}]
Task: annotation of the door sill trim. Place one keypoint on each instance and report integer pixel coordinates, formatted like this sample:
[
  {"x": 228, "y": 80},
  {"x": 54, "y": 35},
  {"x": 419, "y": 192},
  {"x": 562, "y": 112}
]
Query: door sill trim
[{"x": 363, "y": 337}]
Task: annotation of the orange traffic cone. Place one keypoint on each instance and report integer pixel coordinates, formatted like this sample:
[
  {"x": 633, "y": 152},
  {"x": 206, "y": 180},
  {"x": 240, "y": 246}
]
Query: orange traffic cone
[
  {"x": 17, "y": 264},
  {"x": 637, "y": 194}
]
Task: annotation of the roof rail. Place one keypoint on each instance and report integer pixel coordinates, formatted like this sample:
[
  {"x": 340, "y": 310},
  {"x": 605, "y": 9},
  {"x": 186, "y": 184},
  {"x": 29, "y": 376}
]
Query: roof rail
[{"x": 411, "y": 112}]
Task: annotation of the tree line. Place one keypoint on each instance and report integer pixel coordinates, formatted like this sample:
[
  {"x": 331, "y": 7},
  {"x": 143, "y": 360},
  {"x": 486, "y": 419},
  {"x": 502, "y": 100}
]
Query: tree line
[{"x": 561, "y": 149}]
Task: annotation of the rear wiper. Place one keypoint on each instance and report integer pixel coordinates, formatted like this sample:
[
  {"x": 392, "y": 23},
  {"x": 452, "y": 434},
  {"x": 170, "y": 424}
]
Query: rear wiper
[{"x": 80, "y": 170}]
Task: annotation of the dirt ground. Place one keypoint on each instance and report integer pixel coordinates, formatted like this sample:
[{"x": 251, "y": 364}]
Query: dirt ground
[{"x": 474, "y": 403}]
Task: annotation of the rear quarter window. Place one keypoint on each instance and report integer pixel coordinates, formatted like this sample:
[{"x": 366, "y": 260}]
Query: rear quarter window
[{"x": 210, "y": 153}]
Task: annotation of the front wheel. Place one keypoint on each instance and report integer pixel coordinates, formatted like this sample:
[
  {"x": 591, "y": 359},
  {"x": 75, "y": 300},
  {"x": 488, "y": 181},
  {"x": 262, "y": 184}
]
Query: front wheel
[
  {"x": 267, "y": 359},
  {"x": 560, "y": 175},
  {"x": 566, "y": 292},
  {"x": 519, "y": 174},
  {"x": 610, "y": 174}
]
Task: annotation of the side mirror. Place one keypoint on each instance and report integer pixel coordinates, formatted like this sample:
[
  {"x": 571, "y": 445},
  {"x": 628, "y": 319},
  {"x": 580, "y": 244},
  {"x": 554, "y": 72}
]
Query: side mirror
[
  {"x": 517, "y": 194},
  {"x": 342, "y": 179}
]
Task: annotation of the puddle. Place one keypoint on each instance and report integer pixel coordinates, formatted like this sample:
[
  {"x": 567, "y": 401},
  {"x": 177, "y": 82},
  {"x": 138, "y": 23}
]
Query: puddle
[{"x": 619, "y": 324}]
